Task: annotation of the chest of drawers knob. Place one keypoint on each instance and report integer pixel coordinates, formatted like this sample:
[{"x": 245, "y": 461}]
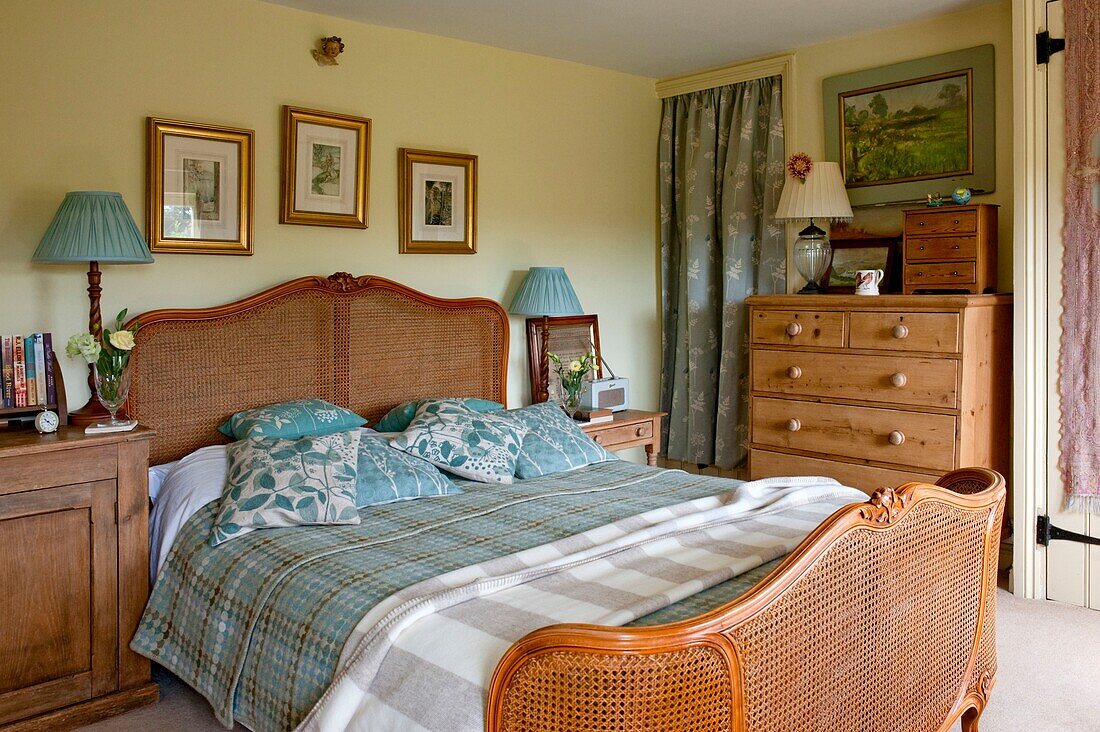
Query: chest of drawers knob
[
  {"x": 901, "y": 331},
  {"x": 794, "y": 329},
  {"x": 639, "y": 431},
  {"x": 597, "y": 438},
  {"x": 793, "y": 425},
  {"x": 896, "y": 437},
  {"x": 793, "y": 372},
  {"x": 899, "y": 379}
]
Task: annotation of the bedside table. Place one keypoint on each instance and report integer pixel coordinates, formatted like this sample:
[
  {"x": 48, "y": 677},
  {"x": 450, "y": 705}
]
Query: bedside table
[
  {"x": 629, "y": 428},
  {"x": 74, "y": 576}
]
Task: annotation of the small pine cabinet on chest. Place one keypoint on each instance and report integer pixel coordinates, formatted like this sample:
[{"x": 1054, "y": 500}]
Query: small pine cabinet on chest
[
  {"x": 74, "y": 576},
  {"x": 951, "y": 248},
  {"x": 876, "y": 391}
]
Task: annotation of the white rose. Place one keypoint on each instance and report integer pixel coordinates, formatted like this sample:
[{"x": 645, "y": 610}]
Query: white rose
[
  {"x": 123, "y": 340},
  {"x": 575, "y": 366}
]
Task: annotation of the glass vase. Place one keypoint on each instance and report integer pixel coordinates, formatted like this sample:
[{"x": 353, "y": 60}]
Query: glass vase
[
  {"x": 571, "y": 402},
  {"x": 112, "y": 384}
]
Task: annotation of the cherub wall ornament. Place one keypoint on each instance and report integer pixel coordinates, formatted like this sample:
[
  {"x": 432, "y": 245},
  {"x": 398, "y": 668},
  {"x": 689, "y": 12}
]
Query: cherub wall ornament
[{"x": 331, "y": 47}]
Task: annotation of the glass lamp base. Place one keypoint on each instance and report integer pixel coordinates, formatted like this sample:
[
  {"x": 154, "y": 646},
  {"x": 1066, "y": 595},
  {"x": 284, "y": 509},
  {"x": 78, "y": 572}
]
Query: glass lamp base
[{"x": 812, "y": 288}]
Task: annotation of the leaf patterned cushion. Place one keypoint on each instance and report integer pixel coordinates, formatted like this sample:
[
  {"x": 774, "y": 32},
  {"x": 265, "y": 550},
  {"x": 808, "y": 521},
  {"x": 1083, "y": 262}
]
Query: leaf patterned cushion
[
  {"x": 386, "y": 474},
  {"x": 481, "y": 447},
  {"x": 291, "y": 420},
  {"x": 555, "y": 443},
  {"x": 275, "y": 482},
  {"x": 399, "y": 418}
]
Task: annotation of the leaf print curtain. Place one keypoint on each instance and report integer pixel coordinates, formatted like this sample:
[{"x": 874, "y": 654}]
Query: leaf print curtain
[{"x": 721, "y": 172}]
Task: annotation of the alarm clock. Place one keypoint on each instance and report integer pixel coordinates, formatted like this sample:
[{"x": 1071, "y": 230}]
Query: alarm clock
[{"x": 46, "y": 421}]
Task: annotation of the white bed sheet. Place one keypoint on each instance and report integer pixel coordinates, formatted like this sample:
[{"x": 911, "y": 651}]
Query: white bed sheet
[{"x": 193, "y": 482}]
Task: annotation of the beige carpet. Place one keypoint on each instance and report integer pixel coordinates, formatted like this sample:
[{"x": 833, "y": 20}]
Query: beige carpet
[{"x": 1048, "y": 681}]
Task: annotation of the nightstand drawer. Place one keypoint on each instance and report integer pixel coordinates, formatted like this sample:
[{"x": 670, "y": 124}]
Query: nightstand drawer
[
  {"x": 940, "y": 222},
  {"x": 884, "y": 435},
  {"x": 617, "y": 435},
  {"x": 915, "y": 381},
  {"x": 942, "y": 248},
  {"x": 60, "y": 467},
  {"x": 798, "y": 328},
  {"x": 941, "y": 273},
  {"x": 935, "y": 332}
]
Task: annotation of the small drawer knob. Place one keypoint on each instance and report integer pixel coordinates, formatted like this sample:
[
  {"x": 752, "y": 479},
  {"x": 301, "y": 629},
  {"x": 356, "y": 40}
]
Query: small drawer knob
[
  {"x": 899, "y": 379},
  {"x": 921, "y": 247},
  {"x": 794, "y": 329},
  {"x": 956, "y": 221},
  {"x": 955, "y": 247},
  {"x": 901, "y": 331},
  {"x": 793, "y": 425},
  {"x": 639, "y": 431},
  {"x": 896, "y": 437},
  {"x": 794, "y": 372},
  {"x": 920, "y": 274},
  {"x": 597, "y": 437},
  {"x": 955, "y": 273},
  {"x": 921, "y": 223}
]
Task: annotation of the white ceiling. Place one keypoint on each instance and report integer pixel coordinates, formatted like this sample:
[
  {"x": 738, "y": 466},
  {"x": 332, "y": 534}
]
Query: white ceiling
[{"x": 655, "y": 38}]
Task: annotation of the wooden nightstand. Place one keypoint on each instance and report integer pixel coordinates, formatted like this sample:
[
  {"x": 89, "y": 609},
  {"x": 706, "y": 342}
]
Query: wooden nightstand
[
  {"x": 74, "y": 576},
  {"x": 629, "y": 428}
]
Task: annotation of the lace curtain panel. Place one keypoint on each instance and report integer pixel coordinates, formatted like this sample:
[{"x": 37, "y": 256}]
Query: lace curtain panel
[
  {"x": 721, "y": 173},
  {"x": 1079, "y": 376}
]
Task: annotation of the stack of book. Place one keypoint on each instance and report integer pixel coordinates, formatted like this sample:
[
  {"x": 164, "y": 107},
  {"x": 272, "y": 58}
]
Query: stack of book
[
  {"x": 27, "y": 371},
  {"x": 595, "y": 416}
]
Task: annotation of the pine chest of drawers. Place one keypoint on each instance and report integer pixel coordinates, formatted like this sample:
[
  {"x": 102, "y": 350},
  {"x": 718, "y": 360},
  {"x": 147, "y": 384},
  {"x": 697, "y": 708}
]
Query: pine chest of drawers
[
  {"x": 950, "y": 248},
  {"x": 878, "y": 391}
]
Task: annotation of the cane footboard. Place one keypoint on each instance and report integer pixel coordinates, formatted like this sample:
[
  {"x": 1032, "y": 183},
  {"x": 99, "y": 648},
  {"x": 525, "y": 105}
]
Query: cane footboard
[{"x": 882, "y": 619}]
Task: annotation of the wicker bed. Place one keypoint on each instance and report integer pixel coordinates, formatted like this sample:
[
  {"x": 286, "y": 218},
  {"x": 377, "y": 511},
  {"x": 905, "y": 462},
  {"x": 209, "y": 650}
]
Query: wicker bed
[{"x": 882, "y": 619}]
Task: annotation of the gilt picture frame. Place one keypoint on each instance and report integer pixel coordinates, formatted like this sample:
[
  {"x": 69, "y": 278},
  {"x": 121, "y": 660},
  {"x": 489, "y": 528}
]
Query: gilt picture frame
[
  {"x": 326, "y": 169},
  {"x": 437, "y": 200},
  {"x": 199, "y": 188},
  {"x": 909, "y": 129}
]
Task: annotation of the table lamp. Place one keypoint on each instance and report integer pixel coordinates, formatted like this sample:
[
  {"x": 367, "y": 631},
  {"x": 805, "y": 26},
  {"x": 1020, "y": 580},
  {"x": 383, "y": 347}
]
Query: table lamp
[
  {"x": 545, "y": 292},
  {"x": 93, "y": 227},
  {"x": 820, "y": 196}
]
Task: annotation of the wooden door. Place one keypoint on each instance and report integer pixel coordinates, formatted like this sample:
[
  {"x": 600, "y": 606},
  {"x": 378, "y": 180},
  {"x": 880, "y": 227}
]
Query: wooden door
[
  {"x": 58, "y": 597},
  {"x": 1072, "y": 568}
]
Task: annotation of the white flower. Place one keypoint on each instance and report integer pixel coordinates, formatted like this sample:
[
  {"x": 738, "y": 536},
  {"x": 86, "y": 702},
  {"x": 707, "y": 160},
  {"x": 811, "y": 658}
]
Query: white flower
[
  {"x": 84, "y": 345},
  {"x": 123, "y": 340},
  {"x": 575, "y": 366}
]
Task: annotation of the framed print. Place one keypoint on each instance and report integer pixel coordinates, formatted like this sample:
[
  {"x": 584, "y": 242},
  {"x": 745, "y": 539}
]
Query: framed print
[
  {"x": 326, "y": 169},
  {"x": 852, "y": 255},
  {"x": 568, "y": 336},
  {"x": 438, "y": 202},
  {"x": 918, "y": 127},
  {"x": 199, "y": 188}
]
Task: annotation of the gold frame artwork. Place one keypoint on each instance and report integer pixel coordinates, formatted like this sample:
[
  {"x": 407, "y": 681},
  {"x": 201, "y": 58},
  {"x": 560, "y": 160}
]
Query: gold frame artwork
[
  {"x": 288, "y": 214},
  {"x": 406, "y": 159},
  {"x": 157, "y": 130}
]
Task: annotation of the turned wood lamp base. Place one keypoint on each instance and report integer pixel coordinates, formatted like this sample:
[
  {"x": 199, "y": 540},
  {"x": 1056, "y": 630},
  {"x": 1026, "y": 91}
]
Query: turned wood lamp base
[{"x": 93, "y": 411}]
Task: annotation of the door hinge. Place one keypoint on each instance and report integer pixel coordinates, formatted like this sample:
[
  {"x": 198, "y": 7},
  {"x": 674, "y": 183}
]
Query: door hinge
[
  {"x": 1045, "y": 47},
  {"x": 1048, "y": 532}
]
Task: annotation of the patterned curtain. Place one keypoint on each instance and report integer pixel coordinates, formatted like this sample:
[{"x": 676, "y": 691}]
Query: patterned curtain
[
  {"x": 1079, "y": 382},
  {"x": 721, "y": 173}
]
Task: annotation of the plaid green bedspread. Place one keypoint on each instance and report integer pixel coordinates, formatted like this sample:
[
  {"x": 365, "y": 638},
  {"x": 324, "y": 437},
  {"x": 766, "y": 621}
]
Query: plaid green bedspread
[{"x": 257, "y": 624}]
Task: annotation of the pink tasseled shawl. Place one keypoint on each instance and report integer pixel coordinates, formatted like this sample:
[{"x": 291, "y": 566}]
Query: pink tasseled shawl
[{"x": 1079, "y": 382}]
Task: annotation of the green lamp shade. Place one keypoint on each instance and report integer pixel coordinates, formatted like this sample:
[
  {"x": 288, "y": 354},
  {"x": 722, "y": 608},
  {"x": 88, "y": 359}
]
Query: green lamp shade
[
  {"x": 92, "y": 226},
  {"x": 546, "y": 291}
]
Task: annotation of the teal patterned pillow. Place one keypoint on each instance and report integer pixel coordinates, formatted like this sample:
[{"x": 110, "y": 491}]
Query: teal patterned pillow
[
  {"x": 291, "y": 420},
  {"x": 555, "y": 443},
  {"x": 399, "y": 418},
  {"x": 274, "y": 482},
  {"x": 386, "y": 474},
  {"x": 481, "y": 447}
]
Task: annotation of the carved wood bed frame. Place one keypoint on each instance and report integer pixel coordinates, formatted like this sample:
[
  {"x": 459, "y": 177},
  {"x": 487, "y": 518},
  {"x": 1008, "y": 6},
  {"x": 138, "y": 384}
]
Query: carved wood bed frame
[{"x": 883, "y": 619}]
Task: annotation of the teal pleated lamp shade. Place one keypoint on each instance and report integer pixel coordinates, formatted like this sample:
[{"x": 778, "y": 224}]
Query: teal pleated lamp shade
[
  {"x": 92, "y": 226},
  {"x": 546, "y": 291}
]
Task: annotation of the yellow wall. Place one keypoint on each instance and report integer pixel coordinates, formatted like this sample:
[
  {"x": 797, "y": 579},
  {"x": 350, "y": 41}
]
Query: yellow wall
[
  {"x": 975, "y": 27},
  {"x": 566, "y": 154}
]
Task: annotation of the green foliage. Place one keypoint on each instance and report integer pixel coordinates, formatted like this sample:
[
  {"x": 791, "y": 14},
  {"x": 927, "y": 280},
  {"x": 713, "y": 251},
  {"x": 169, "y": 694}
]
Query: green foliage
[{"x": 910, "y": 144}]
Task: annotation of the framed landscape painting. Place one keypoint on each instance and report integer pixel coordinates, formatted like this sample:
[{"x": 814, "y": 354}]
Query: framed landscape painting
[
  {"x": 326, "y": 169},
  {"x": 199, "y": 188},
  {"x": 438, "y": 202},
  {"x": 918, "y": 127}
]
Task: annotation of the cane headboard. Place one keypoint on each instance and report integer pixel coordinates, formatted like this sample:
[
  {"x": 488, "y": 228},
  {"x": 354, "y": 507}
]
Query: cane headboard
[{"x": 364, "y": 343}]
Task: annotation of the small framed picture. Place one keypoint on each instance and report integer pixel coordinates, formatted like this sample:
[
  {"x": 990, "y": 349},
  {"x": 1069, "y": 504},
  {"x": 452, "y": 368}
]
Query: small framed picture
[
  {"x": 326, "y": 169},
  {"x": 852, "y": 255},
  {"x": 199, "y": 188},
  {"x": 438, "y": 202},
  {"x": 568, "y": 336}
]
